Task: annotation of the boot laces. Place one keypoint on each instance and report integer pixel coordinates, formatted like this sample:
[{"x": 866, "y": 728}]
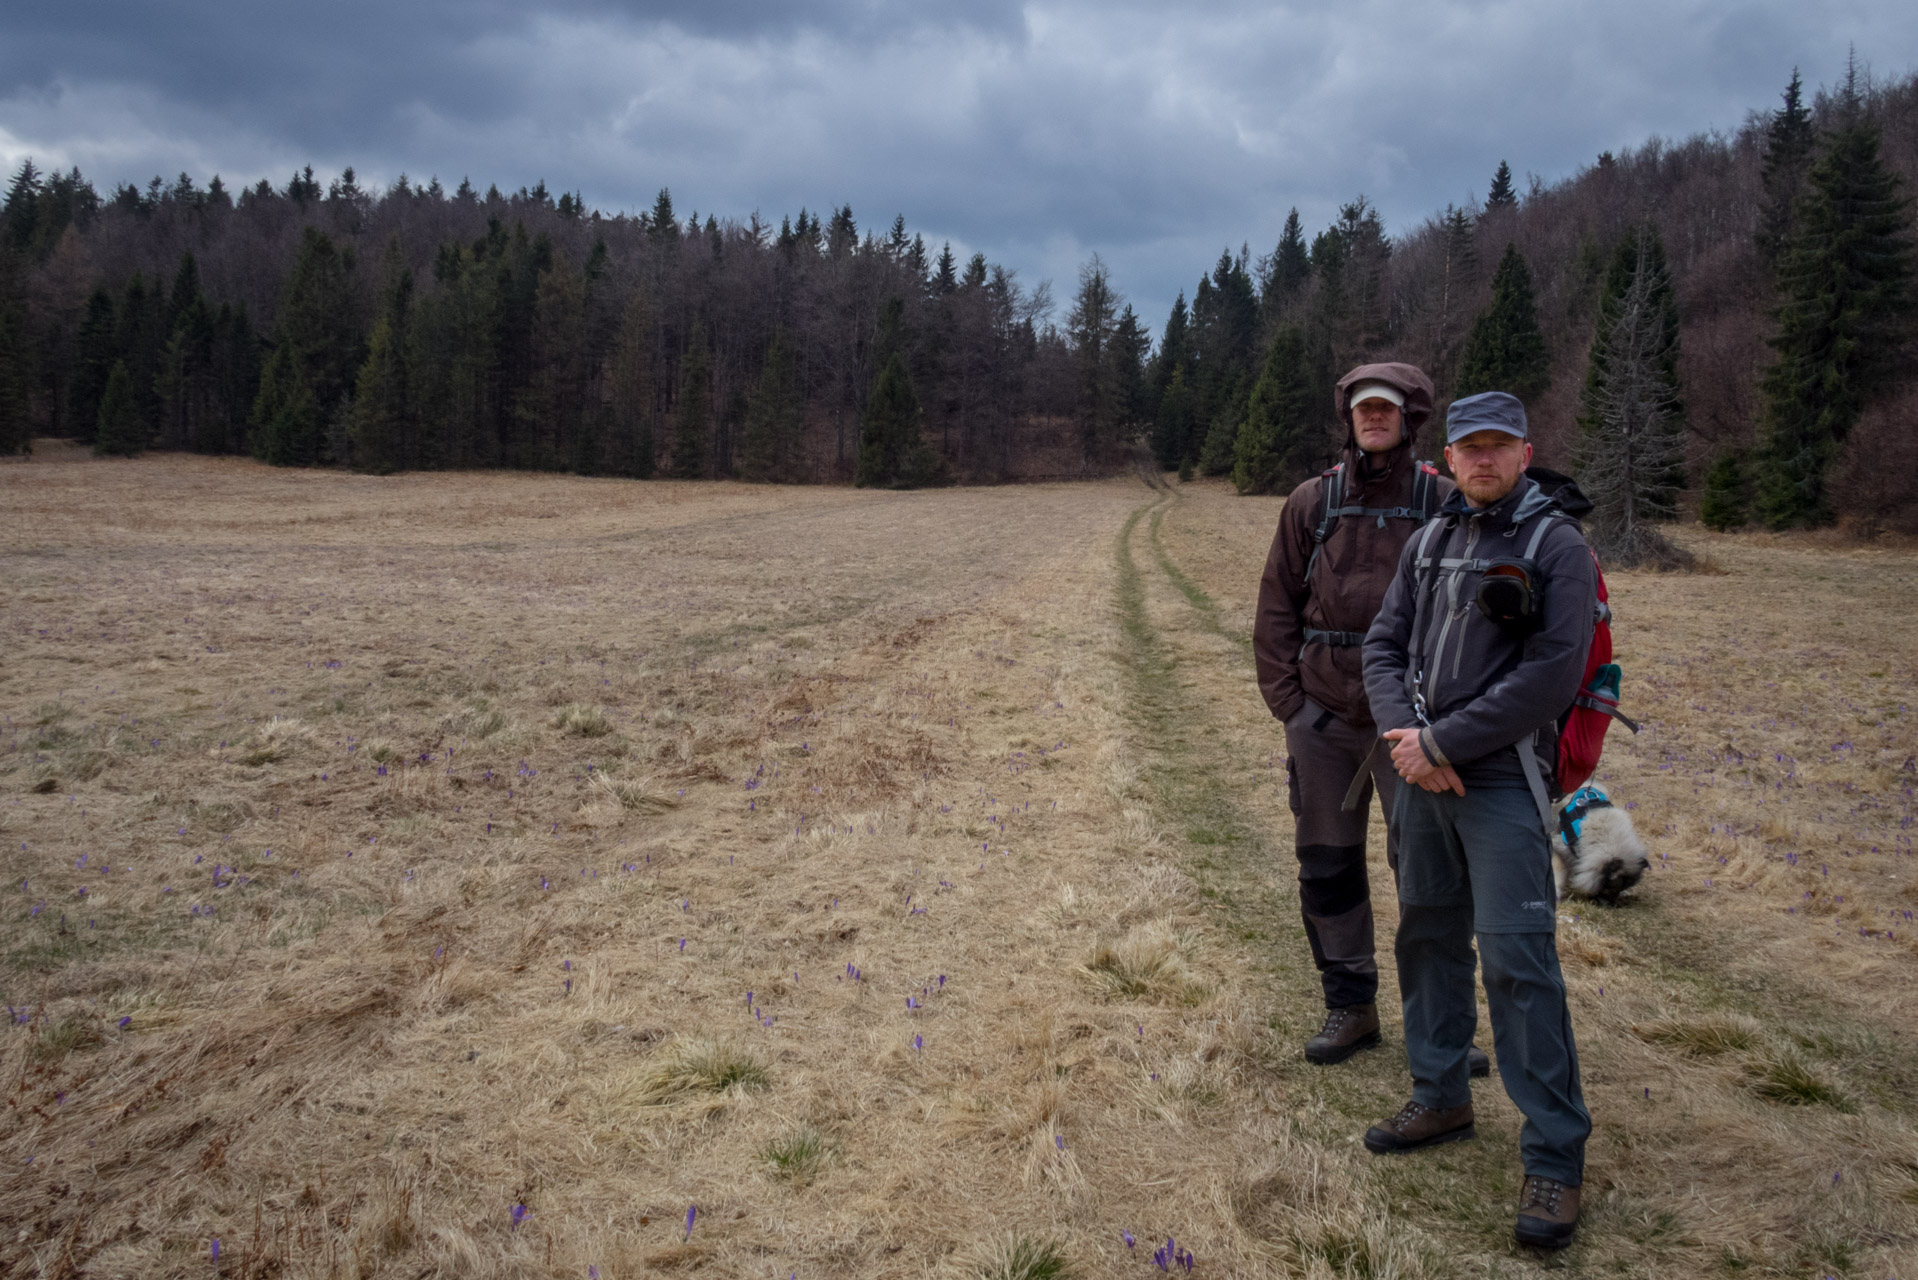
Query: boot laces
[
  {"x": 1408, "y": 1113},
  {"x": 1543, "y": 1193}
]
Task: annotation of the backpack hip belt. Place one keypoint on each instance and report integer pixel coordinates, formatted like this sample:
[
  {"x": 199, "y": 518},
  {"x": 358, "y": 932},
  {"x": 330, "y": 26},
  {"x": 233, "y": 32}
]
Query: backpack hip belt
[{"x": 1334, "y": 639}]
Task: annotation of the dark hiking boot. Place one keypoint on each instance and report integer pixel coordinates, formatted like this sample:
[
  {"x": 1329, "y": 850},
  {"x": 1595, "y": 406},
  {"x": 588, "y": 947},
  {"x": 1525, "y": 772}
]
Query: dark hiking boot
[
  {"x": 1547, "y": 1213},
  {"x": 1417, "y": 1125},
  {"x": 1345, "y": 1032},
  {"x": 1480, "y": 1065}
]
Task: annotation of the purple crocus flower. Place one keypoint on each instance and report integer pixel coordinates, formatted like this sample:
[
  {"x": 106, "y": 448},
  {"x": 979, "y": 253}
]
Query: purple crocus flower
[
  {"x": 215, "y": 1250},
  {"x": 519, "y": 1215},
  {"x": 692, "y": 1211},
  {"x": 1129, "y": 1241}
]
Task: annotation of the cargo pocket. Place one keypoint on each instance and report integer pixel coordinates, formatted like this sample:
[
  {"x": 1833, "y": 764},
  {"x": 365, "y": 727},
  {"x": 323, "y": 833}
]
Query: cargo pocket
[{"x": 1292, "y": 785}]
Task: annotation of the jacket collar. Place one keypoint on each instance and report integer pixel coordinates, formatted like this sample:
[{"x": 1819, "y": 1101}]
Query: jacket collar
[
  {"x": 1357, "y": 482},
  {"x": 1524, "y": 501}
]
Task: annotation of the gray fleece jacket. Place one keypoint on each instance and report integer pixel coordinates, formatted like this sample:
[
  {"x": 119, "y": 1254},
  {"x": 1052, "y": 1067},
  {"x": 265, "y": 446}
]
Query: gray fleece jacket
[{"x": 1485, "y": 688}]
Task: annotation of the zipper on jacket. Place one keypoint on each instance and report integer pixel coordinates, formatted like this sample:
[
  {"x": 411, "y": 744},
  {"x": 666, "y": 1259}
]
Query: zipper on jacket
[{"x": 1452, "y": 611}]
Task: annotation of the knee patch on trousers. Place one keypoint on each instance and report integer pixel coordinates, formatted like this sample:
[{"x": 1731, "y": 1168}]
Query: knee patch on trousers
[{"x": 1332, "y": 878}]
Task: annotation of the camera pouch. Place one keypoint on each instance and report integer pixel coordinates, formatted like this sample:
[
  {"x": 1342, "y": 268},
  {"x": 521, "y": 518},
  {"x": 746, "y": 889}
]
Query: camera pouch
[{"x": 1508, "y": 593}]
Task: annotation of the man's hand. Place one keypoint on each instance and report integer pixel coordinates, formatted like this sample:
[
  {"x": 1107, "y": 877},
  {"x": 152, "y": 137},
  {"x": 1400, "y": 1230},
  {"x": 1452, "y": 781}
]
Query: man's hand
[{"x": 1408, "y": 757}]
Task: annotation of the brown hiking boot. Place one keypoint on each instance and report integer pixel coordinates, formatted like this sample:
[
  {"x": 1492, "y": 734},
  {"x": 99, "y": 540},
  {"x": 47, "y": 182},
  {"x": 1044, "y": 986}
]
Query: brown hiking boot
[
  {"x": 1547, "y": 1213},
  {"x": 1417, "y": 1125},
  {"x": 1345, "y": 1032}
]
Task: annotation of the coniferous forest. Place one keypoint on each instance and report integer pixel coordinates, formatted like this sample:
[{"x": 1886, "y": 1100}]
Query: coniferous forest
[{"x": 1722, "y": 324}]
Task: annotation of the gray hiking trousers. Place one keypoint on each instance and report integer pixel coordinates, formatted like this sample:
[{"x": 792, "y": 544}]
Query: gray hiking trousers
[
  {"x": 1324, "y": 755},
  {"x": 1478, "y": 864}
]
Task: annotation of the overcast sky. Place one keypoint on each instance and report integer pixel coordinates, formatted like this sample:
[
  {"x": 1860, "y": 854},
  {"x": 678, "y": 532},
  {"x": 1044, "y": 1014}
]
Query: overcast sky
[{"x": 1038, "y": 133}]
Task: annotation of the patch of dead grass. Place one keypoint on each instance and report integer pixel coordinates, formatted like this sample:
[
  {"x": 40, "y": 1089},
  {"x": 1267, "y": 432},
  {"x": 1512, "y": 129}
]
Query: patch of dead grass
[{"x": 1147, "y": 962}]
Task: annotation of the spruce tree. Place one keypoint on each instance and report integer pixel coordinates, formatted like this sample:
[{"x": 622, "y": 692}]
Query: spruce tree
[
  {"x": 15, "y": 432},
  {"x": 316, "y": 357},
  {"x": 186, "y": 380},
  {"x": 20, "y": 215},
  {"x": 663, "y": 225},
  {"x": 1276, "y": 447},
  {"x": 289, "y": 429},
  {"x": 1287, "y": 271},
  {"x": 379, "y": 421},
  {"x": 1090, "y": 327},
  {"x": 630, "y": 382},
  {"x": 1126, "y": 356},
  {"x": 185, "y": 291},
  {"x": 236, "y": 380},
  {"x": 946, "y": 277},
  {"x": 1171, "y": 429},
  {"x": 141, "y": 342},
  {"x": 773, "y": 416},
  {"x": 1353, "y": 315},
  {"x": 892, "y": 453},
  {"x": 1216, "y": 455},
  {"x": 121, "y": 431},
  {"x": 382, "y": 427},
  {"x": 94, "y": 354},
  {"x": 1506, "y": 350},
  {"x": 1172, "y": 441},
  {"x": 692, "y": 432},
  {"x": 1726, "y": 503},
  {"x": 1502, "y": 195},
  {"x": 1845, "y": 285},
  {"x": 550, "y": 405},
  {"x": 1790, "y": 142}
]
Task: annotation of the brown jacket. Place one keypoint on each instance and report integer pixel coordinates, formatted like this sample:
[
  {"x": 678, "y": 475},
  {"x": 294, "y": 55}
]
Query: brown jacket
[{"x": 1355, "y": 566}]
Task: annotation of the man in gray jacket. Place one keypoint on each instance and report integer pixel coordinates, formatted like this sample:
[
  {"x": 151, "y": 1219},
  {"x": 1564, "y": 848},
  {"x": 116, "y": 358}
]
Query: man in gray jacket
[{"x": 1466, "y": 680}]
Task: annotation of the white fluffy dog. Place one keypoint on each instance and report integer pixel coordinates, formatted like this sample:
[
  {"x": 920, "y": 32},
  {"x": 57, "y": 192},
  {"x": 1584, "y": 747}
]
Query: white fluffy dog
[{"x": 1597, "y": 852}]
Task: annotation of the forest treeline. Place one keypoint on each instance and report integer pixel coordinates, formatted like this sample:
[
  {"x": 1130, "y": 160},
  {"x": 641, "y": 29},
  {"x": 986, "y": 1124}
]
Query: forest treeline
[
  {"x": 1721, "y": 323},
  {"x": 421, "y": 328}
]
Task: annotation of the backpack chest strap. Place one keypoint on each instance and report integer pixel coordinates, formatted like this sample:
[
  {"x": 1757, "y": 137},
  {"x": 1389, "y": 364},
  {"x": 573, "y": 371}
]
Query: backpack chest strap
[{"x": 1382, "y": 513}]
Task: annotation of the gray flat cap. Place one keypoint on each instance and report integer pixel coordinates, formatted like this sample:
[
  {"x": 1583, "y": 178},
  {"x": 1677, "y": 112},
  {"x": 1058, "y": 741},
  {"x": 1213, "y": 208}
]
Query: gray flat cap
[{"x": 1486, "y": 411}]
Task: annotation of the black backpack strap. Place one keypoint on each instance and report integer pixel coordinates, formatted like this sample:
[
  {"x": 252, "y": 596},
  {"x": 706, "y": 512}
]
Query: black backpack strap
[
  {"x": 1424, "y": 492},
  {"x": 1333, "y": 493},
  {"x": 1424, "y": 583}
]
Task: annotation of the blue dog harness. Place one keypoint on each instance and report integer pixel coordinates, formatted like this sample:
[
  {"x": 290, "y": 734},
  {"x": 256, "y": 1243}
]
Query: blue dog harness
[{"x": 1571, "y": 819}]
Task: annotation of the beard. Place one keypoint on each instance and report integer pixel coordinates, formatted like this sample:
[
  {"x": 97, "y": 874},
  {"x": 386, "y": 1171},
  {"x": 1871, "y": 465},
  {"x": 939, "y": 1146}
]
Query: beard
[{"x": 1483, "y": 491}]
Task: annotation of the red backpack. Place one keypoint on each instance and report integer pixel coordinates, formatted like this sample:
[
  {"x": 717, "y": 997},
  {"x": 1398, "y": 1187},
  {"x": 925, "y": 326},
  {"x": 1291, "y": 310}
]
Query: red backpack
[{"x": 1581, "y": 730}]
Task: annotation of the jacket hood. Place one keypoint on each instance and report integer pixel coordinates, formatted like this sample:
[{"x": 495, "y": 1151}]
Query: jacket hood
[{"x": 1410, "y": 382}]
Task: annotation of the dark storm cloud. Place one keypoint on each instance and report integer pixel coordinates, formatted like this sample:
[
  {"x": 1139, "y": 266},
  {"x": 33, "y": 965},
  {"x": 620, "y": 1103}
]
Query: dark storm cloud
[{"x": 1038, "y": 132}]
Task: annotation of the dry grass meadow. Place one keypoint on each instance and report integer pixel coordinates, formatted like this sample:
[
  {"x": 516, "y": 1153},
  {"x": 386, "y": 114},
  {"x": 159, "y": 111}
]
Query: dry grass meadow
[{"x": 466, "y": 875}]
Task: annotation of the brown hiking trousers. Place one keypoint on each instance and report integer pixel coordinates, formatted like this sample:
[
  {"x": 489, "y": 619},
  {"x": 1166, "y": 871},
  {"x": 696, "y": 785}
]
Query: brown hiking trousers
[{"x": 1324, "y": 754}]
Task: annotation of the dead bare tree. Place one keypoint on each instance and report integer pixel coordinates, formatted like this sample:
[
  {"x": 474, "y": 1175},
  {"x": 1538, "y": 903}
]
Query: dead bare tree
[{"x": 1635, "y": 437}]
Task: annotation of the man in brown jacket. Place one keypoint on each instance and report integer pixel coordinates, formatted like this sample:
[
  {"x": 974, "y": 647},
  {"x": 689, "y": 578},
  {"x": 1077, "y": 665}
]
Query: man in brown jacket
[{"x": 1335, "y": 553}]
